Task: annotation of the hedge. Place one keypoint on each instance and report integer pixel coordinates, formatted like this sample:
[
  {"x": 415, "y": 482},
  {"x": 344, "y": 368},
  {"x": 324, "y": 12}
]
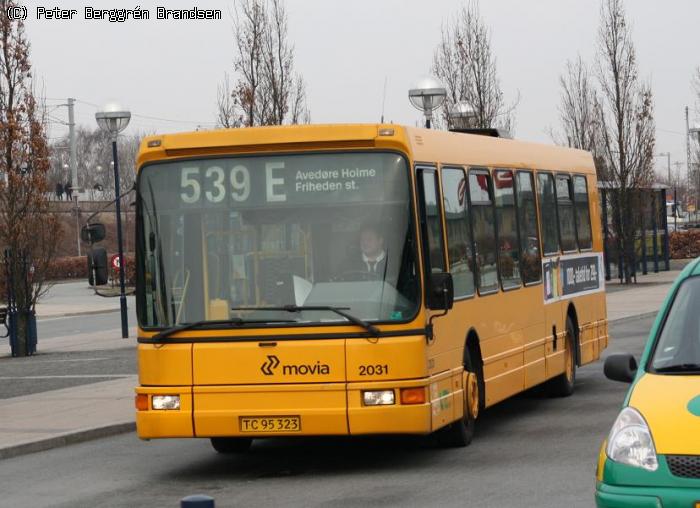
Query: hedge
[
  {"x": 685, "y": 244},
  {"x": 75, "y": 267}
]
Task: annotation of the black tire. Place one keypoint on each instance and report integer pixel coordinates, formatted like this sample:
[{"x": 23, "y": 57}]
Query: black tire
[
  {"x": 97, "y": 266},
  {"x": 228, "y": 445},
  {"x": 91, "y": 275},
  {"x": 460, "y": 433},
  {"x": 563, "y": 385}
]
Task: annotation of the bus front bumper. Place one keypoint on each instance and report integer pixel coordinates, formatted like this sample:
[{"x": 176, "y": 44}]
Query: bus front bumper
[{"x": 316, "y": 409}]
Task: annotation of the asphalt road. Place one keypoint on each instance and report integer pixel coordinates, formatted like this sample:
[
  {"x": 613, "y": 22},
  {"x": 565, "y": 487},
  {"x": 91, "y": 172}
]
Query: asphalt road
[
  {"x": 530, "y": 451},
  {"x": 54, "y": 370},
  {"x": 48, "y": 328}
]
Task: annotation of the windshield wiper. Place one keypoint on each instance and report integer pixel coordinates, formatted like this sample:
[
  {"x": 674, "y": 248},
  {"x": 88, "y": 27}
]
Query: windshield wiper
[
  {"x": 373, "y": 330},
  {"x": 681, "y": 367},
  {"x": 214, "y": 322}
]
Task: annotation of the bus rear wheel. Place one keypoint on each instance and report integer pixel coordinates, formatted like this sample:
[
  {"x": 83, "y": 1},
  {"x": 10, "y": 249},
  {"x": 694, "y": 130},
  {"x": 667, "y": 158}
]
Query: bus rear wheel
[
  {"x": 563, "y": 384},
  {"x": 228, "y": 445},
  {"x": 461, "y": 432}
]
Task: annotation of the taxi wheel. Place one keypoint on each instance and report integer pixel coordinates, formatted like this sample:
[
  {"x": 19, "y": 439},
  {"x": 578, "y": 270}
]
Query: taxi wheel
[
  {"x": 563, "y": 384},
  {"x": 460, "y": 433},
  {"x": 228, "y": 445}
]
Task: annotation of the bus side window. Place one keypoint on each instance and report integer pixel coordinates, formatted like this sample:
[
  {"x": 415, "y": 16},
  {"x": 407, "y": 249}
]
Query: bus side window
[
  {"x": 548, "y": 213},
  {"x": 459, "y": 238},
  {"x": 565, "y": 209},
  {"x": 583, "y": 213},
  {"x": 483, "y": 217},
  {"x": 530, "y": 260},
  {"x": 432, "y": 229},
  {"x": 508, "y": 249}
]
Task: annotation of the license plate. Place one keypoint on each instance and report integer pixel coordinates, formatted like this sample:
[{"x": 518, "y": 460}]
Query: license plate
[{"x": 270, "y": 424}]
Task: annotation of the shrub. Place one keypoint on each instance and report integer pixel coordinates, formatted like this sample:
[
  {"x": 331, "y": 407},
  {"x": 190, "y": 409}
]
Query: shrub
[
  {"x": 685, "y": 244},
  {"x": 68, "y": 267}
]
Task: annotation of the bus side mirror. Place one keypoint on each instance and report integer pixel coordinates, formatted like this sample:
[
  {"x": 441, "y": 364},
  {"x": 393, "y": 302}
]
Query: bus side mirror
[
  {"x": 441, "y": 294},
  {"x": 93, "y": 233},
  {"x": 97, "y": 266},
  {"x": 620, "y": 367}
]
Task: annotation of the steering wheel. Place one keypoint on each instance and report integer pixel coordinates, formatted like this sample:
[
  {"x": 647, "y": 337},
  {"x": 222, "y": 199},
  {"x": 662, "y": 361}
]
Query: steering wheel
[{"x": 357, "y": 276}]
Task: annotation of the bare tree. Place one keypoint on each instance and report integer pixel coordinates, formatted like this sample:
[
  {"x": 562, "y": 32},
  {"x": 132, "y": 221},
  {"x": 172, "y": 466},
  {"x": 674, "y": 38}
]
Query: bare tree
[
  {"x": 227, "y": 115},
  {"x": 695, "y": 153},
  {"x": 299, "y": 113},
  {"x": 465, "y": 63},
  {"x": 578, "y": 107},
  {"x": 267, "y": 90},
  {"x": 94, "y": 161},
  {"x": 626, "y": 117},
  {"x": 28, "y": 232},
  {"x": 278, "y": 62}
]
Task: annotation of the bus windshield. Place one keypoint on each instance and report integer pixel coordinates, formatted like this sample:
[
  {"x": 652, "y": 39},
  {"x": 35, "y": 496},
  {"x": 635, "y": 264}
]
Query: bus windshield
[{"x": 224, "y": 238}]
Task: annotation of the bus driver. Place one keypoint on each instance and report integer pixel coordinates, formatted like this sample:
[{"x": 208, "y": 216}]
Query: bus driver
[{"x": 372, "y": 256}]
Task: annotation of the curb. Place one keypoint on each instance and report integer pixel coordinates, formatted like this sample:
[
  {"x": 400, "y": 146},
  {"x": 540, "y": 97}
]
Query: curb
[
  {"x": 71, "y": 314},
  {"x": 627, "y": 319},
  {"x": 68, "y": 438}
]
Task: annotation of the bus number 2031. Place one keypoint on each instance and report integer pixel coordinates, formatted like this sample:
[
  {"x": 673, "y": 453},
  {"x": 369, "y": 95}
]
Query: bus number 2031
[{"x": 374, "y": 370}]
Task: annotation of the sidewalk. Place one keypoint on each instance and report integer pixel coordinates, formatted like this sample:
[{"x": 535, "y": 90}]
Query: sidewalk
[
  {"x": 76, "y": 298},
  {"x": 649, "y": 294},
  {"x": 55, "y": 418}
]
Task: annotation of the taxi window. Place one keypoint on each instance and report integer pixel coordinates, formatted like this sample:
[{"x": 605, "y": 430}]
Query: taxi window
[{"x": 678, "y": 346}]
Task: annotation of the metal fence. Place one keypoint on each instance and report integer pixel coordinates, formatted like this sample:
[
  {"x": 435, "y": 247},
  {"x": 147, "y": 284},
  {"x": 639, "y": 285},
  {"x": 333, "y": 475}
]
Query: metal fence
[{"x": 651, "y": 244}]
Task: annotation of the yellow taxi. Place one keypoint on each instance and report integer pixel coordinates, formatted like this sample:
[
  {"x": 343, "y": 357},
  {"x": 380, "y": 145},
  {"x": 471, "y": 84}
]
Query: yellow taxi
[{"x": 651, "y": 457}]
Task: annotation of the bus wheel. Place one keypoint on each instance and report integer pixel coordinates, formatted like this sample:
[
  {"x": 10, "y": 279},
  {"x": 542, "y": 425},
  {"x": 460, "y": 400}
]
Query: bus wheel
[
  {"x": 461, "y": 432},
  {"x": 228, "y": 445},
  {"x": 563, "y": 384}
]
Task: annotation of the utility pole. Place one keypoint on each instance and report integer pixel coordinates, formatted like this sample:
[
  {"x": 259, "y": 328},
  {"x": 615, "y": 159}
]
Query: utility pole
[
  {"x": 73, "y": 167},
  {"x": 687, "y": 147},
  {"x": 71, "y": 141}
]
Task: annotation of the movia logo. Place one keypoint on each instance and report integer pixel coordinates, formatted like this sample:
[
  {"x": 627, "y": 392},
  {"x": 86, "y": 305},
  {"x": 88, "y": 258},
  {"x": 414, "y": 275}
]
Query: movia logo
[{"x": 270, "y": 365}]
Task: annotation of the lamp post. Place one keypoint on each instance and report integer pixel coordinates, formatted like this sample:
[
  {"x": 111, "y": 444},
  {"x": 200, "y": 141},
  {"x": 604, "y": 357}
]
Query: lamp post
[
  {"x": 462, "y": 115},
  {"x": 427, "y": 95},
  {"x": 113, "y": 119}
]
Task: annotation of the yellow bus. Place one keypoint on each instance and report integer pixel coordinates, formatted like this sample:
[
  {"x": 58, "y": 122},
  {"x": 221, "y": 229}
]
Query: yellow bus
[{"x": 358, "y": 279}]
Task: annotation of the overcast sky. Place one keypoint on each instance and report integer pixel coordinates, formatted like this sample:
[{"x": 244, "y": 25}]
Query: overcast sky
[{"x": 167, "y": 72}]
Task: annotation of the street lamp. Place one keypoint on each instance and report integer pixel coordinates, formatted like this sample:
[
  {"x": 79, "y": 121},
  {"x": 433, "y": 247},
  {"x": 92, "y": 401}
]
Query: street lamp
[
  {"x": 461, "y": 115},
  {"x": 113, "y": 119},
  {"x": 427, "y": 95}
]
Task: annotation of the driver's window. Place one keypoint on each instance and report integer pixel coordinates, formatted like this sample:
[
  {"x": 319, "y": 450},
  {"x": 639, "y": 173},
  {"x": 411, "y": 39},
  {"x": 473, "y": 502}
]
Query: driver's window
[{"x": 431, "y": 224}]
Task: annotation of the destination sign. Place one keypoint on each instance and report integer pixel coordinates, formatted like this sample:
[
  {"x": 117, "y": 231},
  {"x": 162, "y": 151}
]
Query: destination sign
[{"x": 277, "y": 181}]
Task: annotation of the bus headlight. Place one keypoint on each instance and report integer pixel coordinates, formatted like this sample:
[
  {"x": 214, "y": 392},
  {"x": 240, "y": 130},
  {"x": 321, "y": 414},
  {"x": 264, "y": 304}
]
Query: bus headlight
[
  {"x": 378, "y": 398},
  {"x": 165, "y": 402},
  {"x": 630, "y": 441}
]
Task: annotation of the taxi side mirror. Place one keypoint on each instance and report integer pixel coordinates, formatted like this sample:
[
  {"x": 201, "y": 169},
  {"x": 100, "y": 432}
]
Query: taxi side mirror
[{"x": 620, "y": 367}]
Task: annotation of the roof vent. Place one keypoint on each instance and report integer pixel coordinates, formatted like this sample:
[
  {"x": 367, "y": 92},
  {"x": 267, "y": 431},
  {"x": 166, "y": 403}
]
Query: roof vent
[{"x": 492, "y": 133}]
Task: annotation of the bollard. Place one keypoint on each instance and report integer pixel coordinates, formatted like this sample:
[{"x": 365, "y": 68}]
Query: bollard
[{"x": 197, "y": 501}]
